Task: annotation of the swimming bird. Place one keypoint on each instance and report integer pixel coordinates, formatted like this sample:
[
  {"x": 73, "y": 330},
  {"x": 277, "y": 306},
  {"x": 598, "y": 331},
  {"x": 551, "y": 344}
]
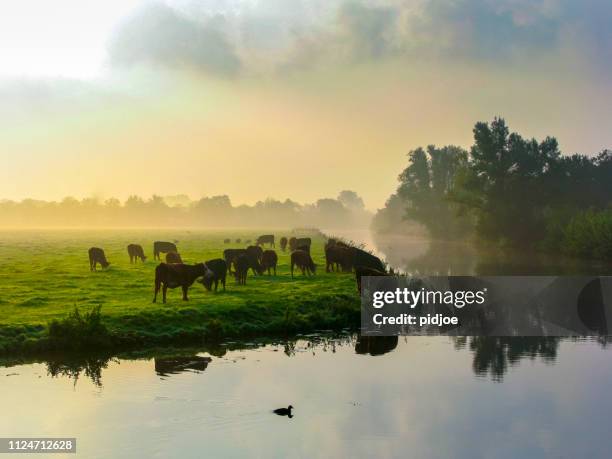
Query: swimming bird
[{"x": 284, "y": 411}]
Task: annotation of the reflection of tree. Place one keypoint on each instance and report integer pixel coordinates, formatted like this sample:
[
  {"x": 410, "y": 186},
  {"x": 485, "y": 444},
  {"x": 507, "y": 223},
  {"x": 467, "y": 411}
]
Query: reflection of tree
[
  {"x": 494, "y": 355},
  {"x": 165, "y": 366},
  {"x": 73, "y": 367}
]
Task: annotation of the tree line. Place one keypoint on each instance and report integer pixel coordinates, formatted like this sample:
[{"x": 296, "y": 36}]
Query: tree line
[
  {"x": 346, "y": 210},
  {"x": 508, "y": 190}
]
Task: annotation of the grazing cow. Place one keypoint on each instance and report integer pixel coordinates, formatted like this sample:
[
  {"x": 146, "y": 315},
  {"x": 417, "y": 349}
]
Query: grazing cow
[
  {"x": 238, "y": 241},
  {"x": 172, "y": 275},
  {"x": 241, "y": 266},
  {"x": 96, "y": 255},
  {"x": 255, "y": 250},
  {"x": 361, "y": 271},
  {"x": 230, "y": 256},
  {"x": 227, "y": 241},
  {"x": 283, "y": 243},
  {"x": 266, "y": 239},
  {"x": 254, "y": 254},
  {"x": 292, "y": 243},
  {"x": 303, "y": 242},
  {"x": 338, "y": 257},
  {"x": 173, "y": 257},
  {"x": 269, "y": 260},
  {"x": 303, "y": 260},
  {"x": 218, "y": 266},
  {"x": 367, "y": 260},
  {"x": 163, "y": 247},
  {"x": 305, "y": 248},
  {"x": 135, "y": 252}
]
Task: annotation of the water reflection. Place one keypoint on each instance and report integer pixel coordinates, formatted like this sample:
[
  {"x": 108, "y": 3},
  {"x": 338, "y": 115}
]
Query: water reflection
[
  {"x": 493, "y": 356},
  {"x": 166, "y": 366}
]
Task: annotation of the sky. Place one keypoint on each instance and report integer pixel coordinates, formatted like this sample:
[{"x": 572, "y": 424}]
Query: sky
[{"x": 269, "y": 98}]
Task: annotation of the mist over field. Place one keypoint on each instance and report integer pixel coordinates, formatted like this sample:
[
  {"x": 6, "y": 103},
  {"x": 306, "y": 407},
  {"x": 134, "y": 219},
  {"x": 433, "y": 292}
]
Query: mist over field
[{"x": 275, "y": 99}]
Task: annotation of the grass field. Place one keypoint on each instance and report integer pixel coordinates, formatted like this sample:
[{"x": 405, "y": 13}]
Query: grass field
[{"x": 45, "y": 274}]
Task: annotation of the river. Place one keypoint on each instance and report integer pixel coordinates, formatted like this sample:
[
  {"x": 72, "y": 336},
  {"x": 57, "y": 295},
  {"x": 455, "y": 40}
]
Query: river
[{"x": 425, "y": 397}]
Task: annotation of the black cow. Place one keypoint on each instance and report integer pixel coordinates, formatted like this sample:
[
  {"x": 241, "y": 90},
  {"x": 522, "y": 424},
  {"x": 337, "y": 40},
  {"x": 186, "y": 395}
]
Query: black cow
[
  {"x": 339, "y": 257},
  {"x": 302, "y": 242},
  {"x": 266, "y": 239},
  {"x": 269, "y": 260},
  {"x": 238, "y": 241},
  {"x": 226, "y": 241},
  {"x": 163, "y": 247},
  {"x": 367, "y": 260},
  {"x": 292, "y": 243},
  {"x": 230, "y": 256},
  {"x": 135, "y": 252},
  {"x": 303, "y": 260},
  {"x": 173, "y": 257},
  {"x": 283, "y": 243},
  {"x": 218, "y": 266},
  {"x": 254, "y": 254},
  {"x": 96, "y": 255},
  {"x": 241, "y": 266},
  {"x": 172, "y": 275}
]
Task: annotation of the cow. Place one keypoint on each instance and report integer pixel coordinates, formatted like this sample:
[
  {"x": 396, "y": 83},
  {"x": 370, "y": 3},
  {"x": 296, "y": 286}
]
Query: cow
[
  {"x": 361, "y": 271},
  {"x": 266, "y": 239},
  {"x": 135, "y": 252},
  {"x": 172, "y": 275},
  {"x": 303, "y": 260},
  {"x": 338, "y": 257},
  {"x": 218, "y": 266},
  {"x": 163, "y": 247},
  {"x": 256, "y": 251},
  {"x": 302, "y": 242},
  {"x": 248, "y": 241},
  {"x": 305, "y": 248},
  {"x": 254, "y": 254},
  {"x": 230, "y": 256},
  {"x": 96, "y": 255},
  {"x": 269, "y": 260},
  {"x": 292, "y": 243},
  {"x": 283, "y": 243},
  {"x": 238, "y": 241},
  {"x": 241, "y": 266},
  {"x": 227, "y": 241},
  {"x": 367, "y": 260},
  {"x": 173, "y": 257}
]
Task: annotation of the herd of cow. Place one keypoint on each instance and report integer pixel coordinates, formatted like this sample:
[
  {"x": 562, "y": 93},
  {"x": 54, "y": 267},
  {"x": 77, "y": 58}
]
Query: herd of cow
[{"x": 339, "y": 256}]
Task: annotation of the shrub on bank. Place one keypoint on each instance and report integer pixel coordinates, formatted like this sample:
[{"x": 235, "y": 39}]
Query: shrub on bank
[{"x": 589, "y": 235}]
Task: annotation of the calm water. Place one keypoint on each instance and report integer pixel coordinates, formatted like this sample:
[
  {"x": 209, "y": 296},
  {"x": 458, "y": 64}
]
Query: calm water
[
  {"x": 418, "y": 397},
  {"x": 407, "y": 397}
]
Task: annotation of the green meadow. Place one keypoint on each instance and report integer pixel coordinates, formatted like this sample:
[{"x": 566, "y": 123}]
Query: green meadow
[{"x": 44, "y": 276}]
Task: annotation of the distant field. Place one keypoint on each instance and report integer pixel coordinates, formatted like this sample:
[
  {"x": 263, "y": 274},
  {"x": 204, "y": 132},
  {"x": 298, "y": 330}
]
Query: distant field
[{"x": 45, "y": 274}]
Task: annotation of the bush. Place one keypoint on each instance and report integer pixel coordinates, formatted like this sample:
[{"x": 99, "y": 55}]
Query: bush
[
  {"x": 80, "y": 331},
  {"x": 589, "y": 234}
]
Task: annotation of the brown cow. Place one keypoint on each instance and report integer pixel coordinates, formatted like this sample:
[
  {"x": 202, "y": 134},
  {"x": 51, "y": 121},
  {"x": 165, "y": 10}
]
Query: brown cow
[
  {"x": 135, "y": 252},
  {"x": 173, "y": 257},
  {"x": 283, "y": 243},
  {"x": 163, "y": 247},
  {"x": 218, "y": 266},
  {"x": 96, "y": 255},
  {"x": 230, "y": 256},
  {"x": 266, "y": 239},
  {"x": 303, "y": 260},
  {"x": 178, "y": 275},
  {"x": 241, "y": 267},
  {"x": 269, "y": 261},
  {"x": 226, "y": 241}
]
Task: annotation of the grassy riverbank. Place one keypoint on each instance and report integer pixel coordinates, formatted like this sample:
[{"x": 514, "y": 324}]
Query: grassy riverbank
[{"x": 44, "y": 276}]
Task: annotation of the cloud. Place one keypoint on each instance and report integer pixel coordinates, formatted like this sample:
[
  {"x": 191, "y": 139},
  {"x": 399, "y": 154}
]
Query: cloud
[{"x": 160, "y": 35}]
